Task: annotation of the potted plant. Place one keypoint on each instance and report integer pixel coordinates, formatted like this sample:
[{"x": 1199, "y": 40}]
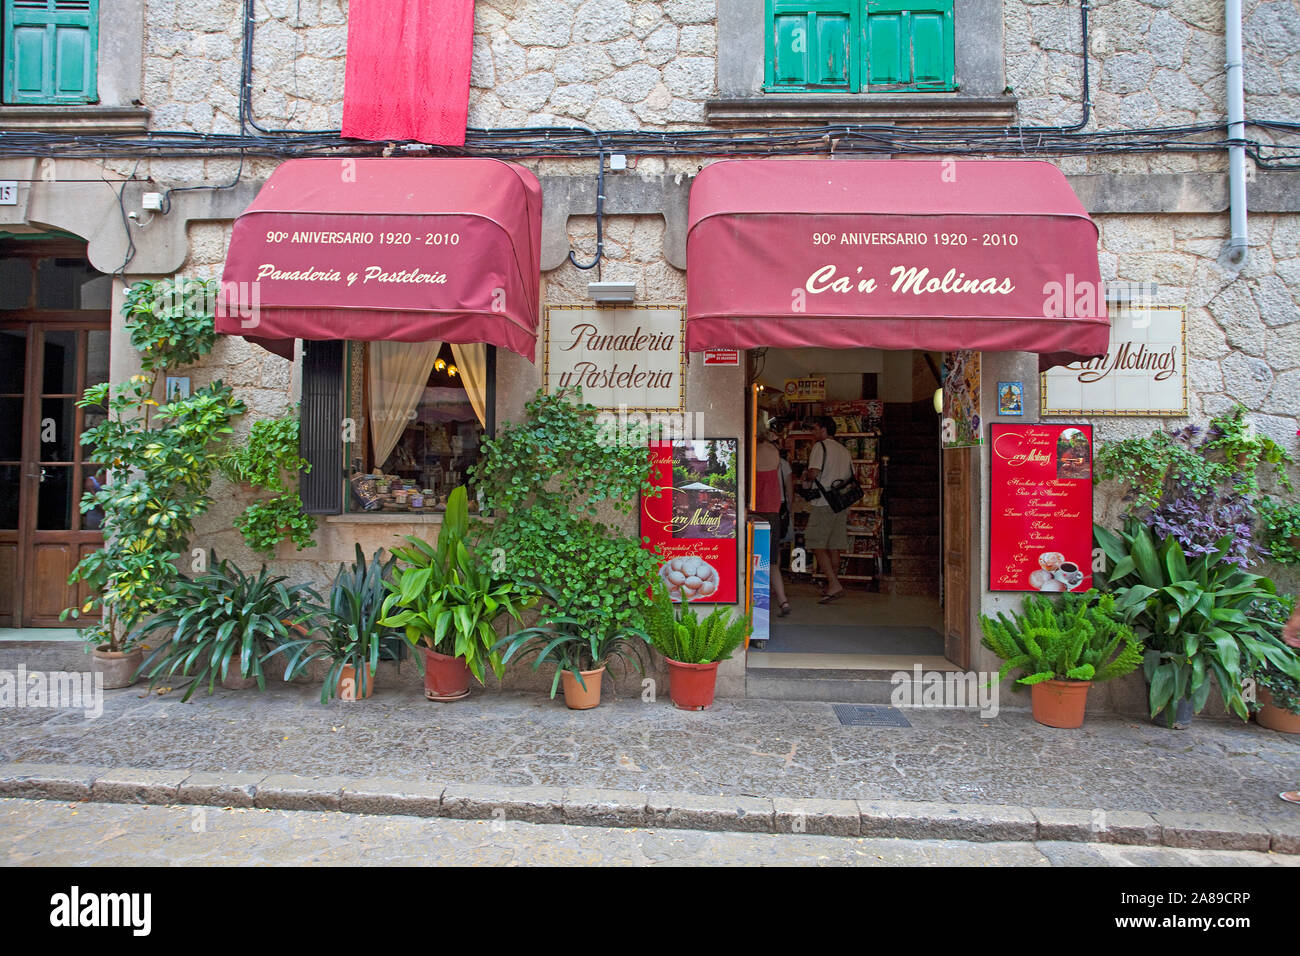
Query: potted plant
[
  {"x": 579, "y": 653},
  {"x": 692, "y": 647},
  {"x": 1063, "y": 646},
  {"x": 448, "y": 601},
  {"x": 117, "y": 659},
  {"x": 564, "y": 495},
  {"x": 1203, "y": 621},
  {"x": 1280, "y": 530},
  {"x": 1236, "y": 438},
  {"x": 268, "y": 460},
  {"x": 159, "y": 459},
  {"x": 355, "y": 637},
  {"x": 224, "y": 624},
  {"x": 264, "y": 524}
]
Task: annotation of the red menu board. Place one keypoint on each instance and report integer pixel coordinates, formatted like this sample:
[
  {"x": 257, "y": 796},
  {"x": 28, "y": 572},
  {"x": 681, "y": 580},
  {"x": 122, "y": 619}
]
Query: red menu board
[
  {"x": 1040, "y": 523},
  {"x": 693, "y": 521}
]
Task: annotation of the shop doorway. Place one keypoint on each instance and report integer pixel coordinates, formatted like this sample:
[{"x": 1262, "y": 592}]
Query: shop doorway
[
  {"x": 54, "y": 342},
  {"x": 889, "y": 612}
]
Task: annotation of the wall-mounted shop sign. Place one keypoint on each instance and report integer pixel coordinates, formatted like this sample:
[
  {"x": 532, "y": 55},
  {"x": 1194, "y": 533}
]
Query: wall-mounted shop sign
[
  {"x": 809, "y": 389},
  {"x": 1143, "y": 373},
  {"x": 1040, "y": 509},
  {"x": 627, "y": 356},
  {"x": 693, "y": 522},
  {"x": 721, "y": 357}
]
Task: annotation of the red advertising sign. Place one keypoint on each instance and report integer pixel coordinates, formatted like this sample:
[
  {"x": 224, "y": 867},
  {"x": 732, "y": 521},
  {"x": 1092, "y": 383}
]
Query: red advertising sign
[
  {"x": 693, "y": 522},
  {"x": 1040, "y": 535},
  {"x": 721, "y": 357}
]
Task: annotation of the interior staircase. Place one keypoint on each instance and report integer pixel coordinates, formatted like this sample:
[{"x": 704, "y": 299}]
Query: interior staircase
[{"x": 911, "y": 440}]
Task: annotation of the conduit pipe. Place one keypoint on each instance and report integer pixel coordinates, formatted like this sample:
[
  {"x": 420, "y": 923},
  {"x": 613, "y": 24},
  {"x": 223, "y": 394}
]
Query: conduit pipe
[{"x": 1235, "y": 254}]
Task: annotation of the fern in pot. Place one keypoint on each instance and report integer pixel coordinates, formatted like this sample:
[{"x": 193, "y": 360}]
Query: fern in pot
[{"x": 693, "y": 647}]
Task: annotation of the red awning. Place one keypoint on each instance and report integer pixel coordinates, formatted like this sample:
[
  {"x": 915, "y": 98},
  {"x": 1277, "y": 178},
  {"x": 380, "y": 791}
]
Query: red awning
[
  {"x": 406, "y": 250},
  {"x": 892, "y": 254}
]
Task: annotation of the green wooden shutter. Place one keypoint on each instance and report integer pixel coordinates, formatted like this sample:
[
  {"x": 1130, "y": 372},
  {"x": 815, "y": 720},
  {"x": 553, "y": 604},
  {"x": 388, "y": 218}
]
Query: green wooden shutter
[
  {"x": 49, "y": 51},
  {"x": 910, "y": 44},
  {"x": 810, "y": 44}
]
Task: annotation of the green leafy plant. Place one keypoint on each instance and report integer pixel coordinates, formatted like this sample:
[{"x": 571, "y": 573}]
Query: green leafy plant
[
  {"x": 223, "y": 618},
  {"x": 268, "y": 459},
  {"x": 1283, "y": 688},
  {"x": 569, "y": 644},
  {"x": 682, "y": 636},
  {"x": 264, "y": 524},
  {"x": 1145, "y": 467},
  {"x": 1280, "y": 530},
  {"x": 351, "y": 621},
  {"x": 564, "y": 492},
  {"x": 160, "y": 459},
  {"x": 1246, "y": 450},
  {"x": 269, "y": 456},
  {"x": 1076, "y": 637},
  {"x": 1202, "y": 621},
  {"x": 446, "y": 598}
]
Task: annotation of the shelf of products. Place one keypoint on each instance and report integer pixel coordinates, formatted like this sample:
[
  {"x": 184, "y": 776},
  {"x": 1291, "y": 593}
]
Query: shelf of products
[{"x": 858, "y": 430}]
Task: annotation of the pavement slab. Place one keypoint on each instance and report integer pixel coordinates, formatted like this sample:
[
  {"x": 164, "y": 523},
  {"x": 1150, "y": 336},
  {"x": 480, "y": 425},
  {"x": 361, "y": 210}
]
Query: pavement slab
[{"x": 234, "y": 745}]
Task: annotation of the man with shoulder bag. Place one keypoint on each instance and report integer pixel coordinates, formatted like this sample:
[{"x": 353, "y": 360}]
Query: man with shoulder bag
[{"x": 830, "y": 472}]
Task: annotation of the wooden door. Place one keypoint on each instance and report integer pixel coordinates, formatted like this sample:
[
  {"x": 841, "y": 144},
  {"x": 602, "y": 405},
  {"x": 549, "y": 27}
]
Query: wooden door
[
  {"x": 957, "y": 554},
  {"x": 54, "y": 342}
]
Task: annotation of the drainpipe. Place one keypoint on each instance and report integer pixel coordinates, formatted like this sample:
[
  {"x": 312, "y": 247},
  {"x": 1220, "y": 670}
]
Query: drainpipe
[{"x": 1234, "y": 256}]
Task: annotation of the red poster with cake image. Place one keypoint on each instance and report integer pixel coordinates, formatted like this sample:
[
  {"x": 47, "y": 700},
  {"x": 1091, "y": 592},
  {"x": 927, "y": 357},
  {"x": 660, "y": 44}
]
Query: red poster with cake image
[
  {"x": 693, "y": 522},
  {"x": 1040, "y": 522}
]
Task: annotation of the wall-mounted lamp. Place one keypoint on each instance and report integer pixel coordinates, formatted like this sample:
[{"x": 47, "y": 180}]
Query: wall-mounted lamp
[
  {"x": 439, "y": 364},
  {"x": 612, "y": 291},
  {"x": 451, "y": 370},
  {"x": 938, "y": 400}
]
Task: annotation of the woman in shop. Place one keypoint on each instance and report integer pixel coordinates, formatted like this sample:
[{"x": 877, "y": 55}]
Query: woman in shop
[{"x": 773, "y": 492}]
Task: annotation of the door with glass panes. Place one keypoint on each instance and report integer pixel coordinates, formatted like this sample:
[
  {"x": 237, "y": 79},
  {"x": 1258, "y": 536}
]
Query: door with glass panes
[{"x": 52, "y": 346}]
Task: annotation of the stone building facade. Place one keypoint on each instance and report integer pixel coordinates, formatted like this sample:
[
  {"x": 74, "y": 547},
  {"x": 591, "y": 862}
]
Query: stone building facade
[{"x": 1155, "y": 68}]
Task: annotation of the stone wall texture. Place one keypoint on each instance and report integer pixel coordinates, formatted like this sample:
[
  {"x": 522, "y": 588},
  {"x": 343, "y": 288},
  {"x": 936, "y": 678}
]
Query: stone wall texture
[{"x": 651, "y": 64}]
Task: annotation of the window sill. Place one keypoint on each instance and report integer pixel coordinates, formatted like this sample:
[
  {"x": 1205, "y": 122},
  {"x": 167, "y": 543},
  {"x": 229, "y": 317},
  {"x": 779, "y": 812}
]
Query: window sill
[
  {"x": 78, "y": 119},
  {"x": 903, "y": 109},
  {"x": 392, "y": 517}
]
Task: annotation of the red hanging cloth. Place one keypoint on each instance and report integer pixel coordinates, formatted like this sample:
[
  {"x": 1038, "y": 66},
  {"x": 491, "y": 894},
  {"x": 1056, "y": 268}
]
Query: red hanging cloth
[{"x": 407, "y": 71}]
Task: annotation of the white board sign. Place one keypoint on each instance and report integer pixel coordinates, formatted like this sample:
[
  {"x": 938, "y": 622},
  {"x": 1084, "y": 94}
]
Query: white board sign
[
  {"x": 624, "y": 356},
  {"x": 1143, "y": 373}
]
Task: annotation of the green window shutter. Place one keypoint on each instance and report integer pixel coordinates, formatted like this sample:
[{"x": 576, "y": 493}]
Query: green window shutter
[
  {"x": 886, "y": 59},
  {"x": 910, "y": 44},
  {"x": 810, "y": 44},
  {"x": 49, "y": 51}
]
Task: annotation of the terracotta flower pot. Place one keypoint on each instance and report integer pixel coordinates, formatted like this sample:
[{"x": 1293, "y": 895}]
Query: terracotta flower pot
[
  {"x": 445, "y": 678},
  {"x": 575, "y": 696},
  {"x": 691, "y": 685},
  {"x": 234, "y": 680},
  {"x": 1060, "y": 703},
  {"x": 118, "y": 667},
  {"x": 1274, "y": 717},
  {"x": 350, "y": 685}
]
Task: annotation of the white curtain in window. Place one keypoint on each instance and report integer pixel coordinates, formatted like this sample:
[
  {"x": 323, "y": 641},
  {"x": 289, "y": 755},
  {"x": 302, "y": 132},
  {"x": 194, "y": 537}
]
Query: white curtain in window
[
  {"x": 471, "y": 363},
  {"x": 399, "y": 372}
]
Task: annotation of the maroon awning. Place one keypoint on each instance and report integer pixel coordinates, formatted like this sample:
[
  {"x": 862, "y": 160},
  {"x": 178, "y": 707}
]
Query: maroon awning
[
  {"x": 893, "y": 254},
  {"x": 406, "y": 250}
]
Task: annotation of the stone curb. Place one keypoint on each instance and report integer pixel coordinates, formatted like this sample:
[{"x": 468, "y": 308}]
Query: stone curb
[{"x": 585, "y": 806}]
